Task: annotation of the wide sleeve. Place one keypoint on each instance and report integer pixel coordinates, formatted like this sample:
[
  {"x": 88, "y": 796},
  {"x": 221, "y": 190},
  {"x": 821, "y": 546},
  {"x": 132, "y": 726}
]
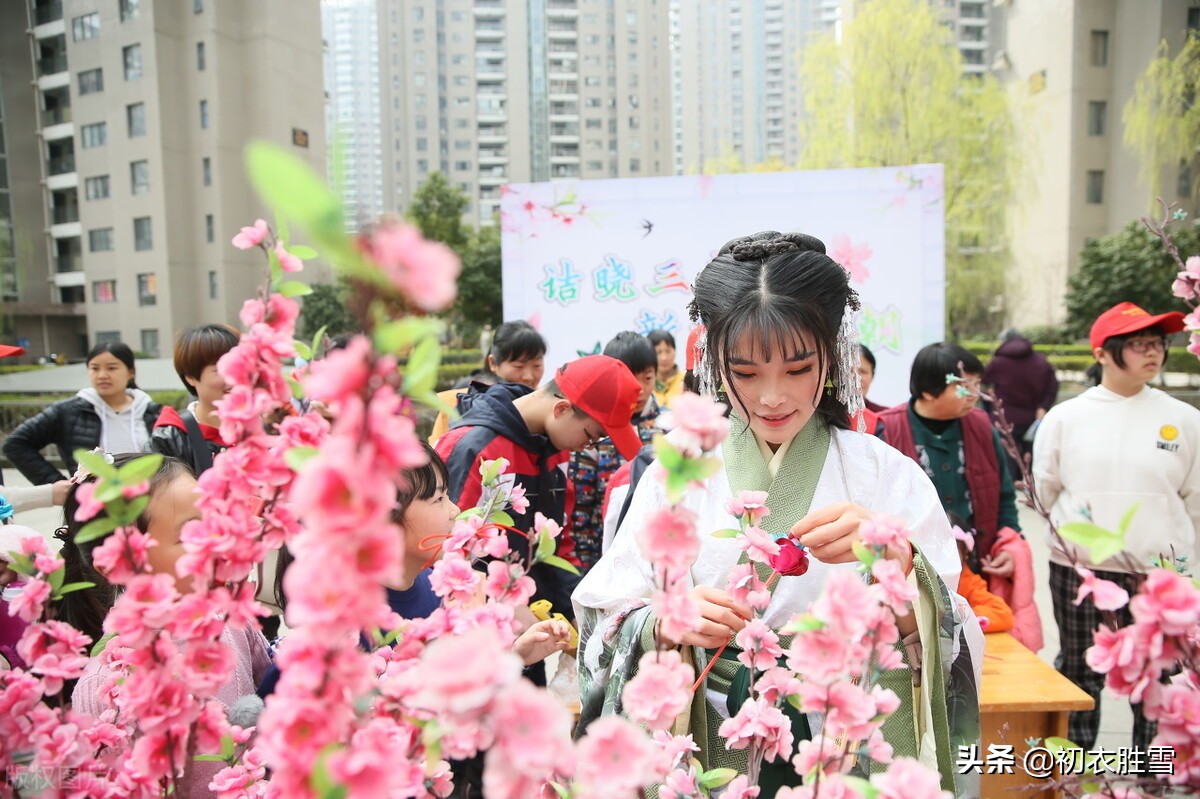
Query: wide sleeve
[
  {"x": 28, "y": 497},
  {"x": 24, "y": 446}
]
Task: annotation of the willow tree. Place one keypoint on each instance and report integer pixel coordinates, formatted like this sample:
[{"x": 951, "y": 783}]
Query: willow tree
[
  {"x": 892, "y": 92},
  {"x": 1162, "y": 118}
]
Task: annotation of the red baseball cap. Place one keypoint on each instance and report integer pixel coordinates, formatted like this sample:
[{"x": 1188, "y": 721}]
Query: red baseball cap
[
  {"x": 8, "y": 350},
  {"x": 1125, "y": 317},
  {"x": 604, "y": 389}
]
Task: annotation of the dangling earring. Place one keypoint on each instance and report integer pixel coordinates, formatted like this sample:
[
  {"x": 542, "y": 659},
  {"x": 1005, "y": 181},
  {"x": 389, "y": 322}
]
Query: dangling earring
[{"x": 828, "y": 385}]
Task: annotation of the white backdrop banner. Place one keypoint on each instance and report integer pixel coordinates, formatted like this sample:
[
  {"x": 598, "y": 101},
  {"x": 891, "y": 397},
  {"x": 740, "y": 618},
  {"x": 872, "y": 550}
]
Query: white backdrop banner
[{"x": 584, "y": 260}]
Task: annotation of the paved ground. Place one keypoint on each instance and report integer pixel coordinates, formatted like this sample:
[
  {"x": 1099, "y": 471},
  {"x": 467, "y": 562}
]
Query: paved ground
[{"x": 1116, "y": 719}]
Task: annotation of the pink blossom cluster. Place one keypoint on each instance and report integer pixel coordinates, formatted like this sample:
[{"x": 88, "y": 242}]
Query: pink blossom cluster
[
  {"x": 426, "y": 272},
  {"x": 698, "y": 423}
]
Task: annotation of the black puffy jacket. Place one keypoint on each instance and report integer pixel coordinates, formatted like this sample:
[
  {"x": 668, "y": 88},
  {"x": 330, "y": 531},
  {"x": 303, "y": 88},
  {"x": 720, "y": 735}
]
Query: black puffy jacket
[{"x": 69, "y": 425}]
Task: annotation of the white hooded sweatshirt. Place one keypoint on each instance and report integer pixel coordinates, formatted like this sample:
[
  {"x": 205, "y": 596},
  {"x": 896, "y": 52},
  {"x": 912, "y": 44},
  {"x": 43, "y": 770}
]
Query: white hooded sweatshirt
[{"x": 123, "y": 431}]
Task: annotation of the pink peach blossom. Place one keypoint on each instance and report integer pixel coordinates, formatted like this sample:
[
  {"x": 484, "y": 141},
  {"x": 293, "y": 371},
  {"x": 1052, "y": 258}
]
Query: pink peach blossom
[
  {"x": 507, "y": 583},
  {"x": 699, "y": 422},
  {"x": 760, "y": 723},
  {"x": 853, "y": 257},
  {"x": 745, "y": 587},
  {"x": 533, "y": 730},
  {"x": 424, "y": 271},
  {"x": 891, "y": 586},
  {"x": 752, "y": 504},
  {"x": 907, "y": 778},
  {"x": 1105, "y": 595},
  {"x": 287, "y": 261},
  {"x": 760, "y": 645},
  {"x": 661, "y": 690},
  {"x": 1168, "y": 600},
  {"x": 28, "y": 605},
  {"x": 668, "y": 538},
  {"x": 461, "y": 675},
  {"x": 87, "y": 506},
  {"x": 517, "y": 500},
  {"x": 759, "y": 545},
  {"x": 454, "y": 580},
  {"x": 677, "y": 613},
  {"x": 883, "y": 532},
  {"x": 250, "y": 237},
  {"x": 614, "y": 760}
]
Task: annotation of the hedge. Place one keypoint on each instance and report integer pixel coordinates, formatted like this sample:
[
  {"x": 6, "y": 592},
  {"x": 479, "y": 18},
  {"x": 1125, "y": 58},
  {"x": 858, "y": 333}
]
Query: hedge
[{"x": 1078, "y": 357}]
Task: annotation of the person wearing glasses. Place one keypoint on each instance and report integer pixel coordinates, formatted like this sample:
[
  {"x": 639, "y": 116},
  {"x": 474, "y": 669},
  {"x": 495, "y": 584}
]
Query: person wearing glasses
[
  {"x": 1117, "y": 445},
  {"x": 953, "y": 441}
]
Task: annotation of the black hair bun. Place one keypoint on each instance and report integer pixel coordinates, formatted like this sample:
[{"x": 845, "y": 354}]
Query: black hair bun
[{"x": 768, "y": 243}]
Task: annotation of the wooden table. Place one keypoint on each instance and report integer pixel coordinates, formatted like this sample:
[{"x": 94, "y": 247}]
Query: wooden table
[{"x": 1021, "y": 697}]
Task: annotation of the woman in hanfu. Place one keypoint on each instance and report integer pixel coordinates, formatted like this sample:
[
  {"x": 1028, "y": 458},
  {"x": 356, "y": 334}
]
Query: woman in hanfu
[{"x": 782, "y": 346}]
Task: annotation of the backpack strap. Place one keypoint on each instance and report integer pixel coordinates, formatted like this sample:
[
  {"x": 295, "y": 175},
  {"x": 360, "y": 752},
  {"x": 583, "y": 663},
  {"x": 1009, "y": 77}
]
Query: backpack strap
[{"x": 202, "y": 458}]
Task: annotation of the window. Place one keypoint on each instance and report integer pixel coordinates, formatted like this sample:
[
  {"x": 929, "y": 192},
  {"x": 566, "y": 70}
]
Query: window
[
  {"x": 418, "y": 14},
  {"x": 212, "y": 284},
  {"x": 204, "y": 114},
  {"x": 1097, "y": 117},
  {"x": 635, "y": 165},
  {"x": 197, "y": 6},
  {"x": 96, "y": 188},
  {"x": 91, "y": 80},
  {"x": 147, "y": 289},
  {"x": 462, "y": 166},
  {"x": 93, "y": 135},
  {"x": 201, "y": 61},
  {"x": 1099, "y": 48},
  {"x": 594, "y": 124},
  {"x": 130, "y": 9},
  {"x": 1193, "y": 19},
  {"x": 209, "y": 228},
  {"x": 1095, "y": 186},
  {"x": 462, "y": 144},
  {"x": 86, "y": 27},
  {"x": 206, "y": 170},
  {"x": 143, "y": 234},
  {"x": 135, "y": 115},
  {"x": 150, "y": 342},
  {"x": 104, "y": 291},
  {"x": 132, "y": 57},
  {"x": 139, "y": 178},
  {"x": 100, "y": 239}
]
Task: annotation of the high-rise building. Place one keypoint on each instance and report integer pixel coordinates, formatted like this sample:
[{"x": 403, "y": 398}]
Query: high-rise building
[
  {"x": 1073, "y": 67},
  {"x": 490, "y": 92},
  {"x": 142, "y": 111},
  {"x": 353, "y": 121}
]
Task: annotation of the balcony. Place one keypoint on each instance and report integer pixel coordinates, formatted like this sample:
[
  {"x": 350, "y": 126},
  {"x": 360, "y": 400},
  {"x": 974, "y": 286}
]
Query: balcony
[
  {"x": 64, "y": 264},
  {"x": 67, "y": 230},
  {"x": 52, "y": 64},
  {"x": 56, "y": 116},
  {"x": 64, "y": 214},
  {"x": 67, "y": 279},
  {"x": 61, "y": 165},
  {"x": 47, "y": 12}
]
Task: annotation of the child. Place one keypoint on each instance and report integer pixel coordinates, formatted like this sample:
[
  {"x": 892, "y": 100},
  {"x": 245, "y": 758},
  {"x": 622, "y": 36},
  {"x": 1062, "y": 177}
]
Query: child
[
  {"x": 778, "y": 314},
  {"x": 668, "y": 379},
  {"x": 591, "y": 469},
  {"x": 994, "y": 614},
  {"x": 588, "y": 398},
  {"x": 517, "y": 355},
  {"x": 194, "y": 435},
  {"x": 172, "y": 504}
]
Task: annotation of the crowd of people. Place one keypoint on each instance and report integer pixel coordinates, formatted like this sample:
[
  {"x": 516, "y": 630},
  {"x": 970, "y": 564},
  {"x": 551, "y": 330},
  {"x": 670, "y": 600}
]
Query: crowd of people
[{"x": 774, "y": 339}]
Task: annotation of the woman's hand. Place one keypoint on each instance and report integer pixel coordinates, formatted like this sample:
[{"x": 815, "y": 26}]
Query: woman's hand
[
  {"x": 722, "y": 617},
  {"x": 831, "y": 532},
  {"x": 542, "y": 640}
]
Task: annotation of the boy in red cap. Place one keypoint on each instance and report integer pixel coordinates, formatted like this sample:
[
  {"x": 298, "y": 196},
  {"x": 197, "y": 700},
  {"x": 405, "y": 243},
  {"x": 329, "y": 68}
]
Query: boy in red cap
[
  {"x": 536, "y": 430},
  {"x": 1117, "y": 445}
]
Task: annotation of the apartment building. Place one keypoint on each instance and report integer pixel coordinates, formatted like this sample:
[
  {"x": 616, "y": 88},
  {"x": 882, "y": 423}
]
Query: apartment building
[
  {"x": 490, "y": 92},
  {"x": 142, "y": 111},
  {"x": 1073, "y": 65}
]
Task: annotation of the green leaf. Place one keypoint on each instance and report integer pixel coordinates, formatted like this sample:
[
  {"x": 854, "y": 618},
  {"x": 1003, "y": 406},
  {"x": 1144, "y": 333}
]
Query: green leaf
[
  {"x": 71, "y": 588},
  {"x": 290, "y": 186},
  {"x": 134, "y": 508},
  {"x": 98, "y": 647},
  {"x": 667, "y": 455},
  {"x": 303, "y": 252},
  {"x": 96, "y": 529},
  {"x": 294, "y": 288},
  {"x": 728, "y": 532},
  {"x": 545, "y": 547},
  {"x": 468, "y": 513},
  {"x": 95, "y": 463},
  {"x": 209, "y": 759},
  {"x": 397, "y": 336},
  {"x": 864, "y": 554},
  {"x": 321, "y": 780},
  {"x": 302, "y": 349},
  {"x": 500, "y": 517},
  {"x": 1123, "y": 527},
  {"x": 802, "y": 623},
  {"x": 296, "y": 457},
  {"x": 107, "y": 490},
  {"x": 316, "y": 342},
  {"x": 861, "y": 787},
  {"x": 420, "y": 374},
  {"x": 140, "y": 470},
  {"x": 21, "y": 563},
  {"x": 715, "y": 778},
  {"x": 489, "y": 471},
  {"x": 55, "y": 579},
  {"x": 1102, "y": 544},
  {"x": 555, "y": 560},
  {"x": 561, "y": 790},
  {"x": 295, "y": 387}
]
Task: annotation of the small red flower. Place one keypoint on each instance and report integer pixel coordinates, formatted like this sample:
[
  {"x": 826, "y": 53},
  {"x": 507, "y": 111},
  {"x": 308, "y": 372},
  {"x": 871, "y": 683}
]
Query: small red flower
[{"x": 792, "y": 560}]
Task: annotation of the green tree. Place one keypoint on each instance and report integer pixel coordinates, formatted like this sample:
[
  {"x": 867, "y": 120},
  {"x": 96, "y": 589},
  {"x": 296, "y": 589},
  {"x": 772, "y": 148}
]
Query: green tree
[
  {"x": 891, "y": 93},
  {"x": 479, "y": 299},
  {"x": 1162, "y": 119},
  {"x": 326, "y": 307},
  {"x": 1129, "y": 265},
  {"x": 437, "y": 210}
]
